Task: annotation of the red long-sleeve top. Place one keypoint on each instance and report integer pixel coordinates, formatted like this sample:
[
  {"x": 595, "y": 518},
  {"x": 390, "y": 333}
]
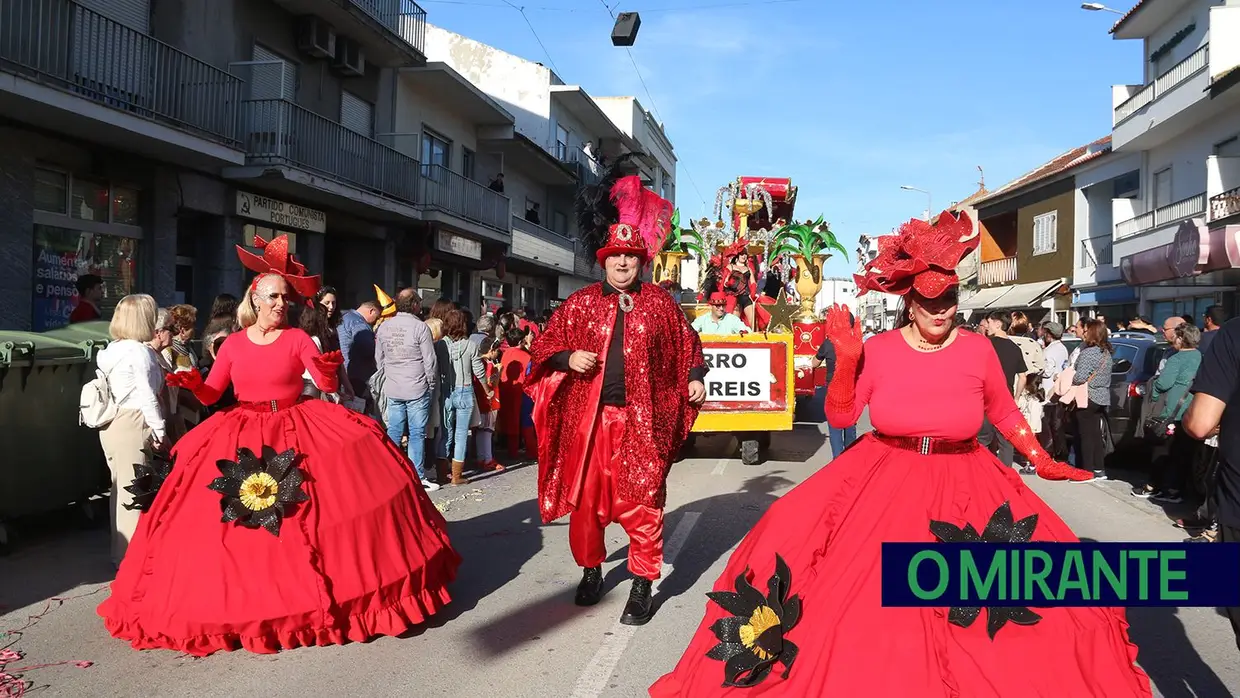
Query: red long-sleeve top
[{"x": 941, "y": 394}]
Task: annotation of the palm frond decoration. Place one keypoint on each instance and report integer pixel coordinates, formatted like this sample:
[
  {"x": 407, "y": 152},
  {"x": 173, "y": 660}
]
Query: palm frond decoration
[
  {"x": 805, "y": 239},
  {"x": 684, "y": 239}
]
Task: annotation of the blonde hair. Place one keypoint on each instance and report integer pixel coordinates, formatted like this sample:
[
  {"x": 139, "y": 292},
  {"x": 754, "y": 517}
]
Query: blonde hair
[
  {"x": 247, "y": 312},
  {"x": 134, "y": 318},
  {"x": 435, "y": 325},
  {"x": 163, "y": 319}
]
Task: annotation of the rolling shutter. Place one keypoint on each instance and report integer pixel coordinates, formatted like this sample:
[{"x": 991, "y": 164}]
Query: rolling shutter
[
  {"x": 356, "y": 114},
  {"x": 277, "y": 79}
]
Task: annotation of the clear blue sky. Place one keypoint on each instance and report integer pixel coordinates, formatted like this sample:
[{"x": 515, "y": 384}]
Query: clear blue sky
[{"x": 850, "y": 98}]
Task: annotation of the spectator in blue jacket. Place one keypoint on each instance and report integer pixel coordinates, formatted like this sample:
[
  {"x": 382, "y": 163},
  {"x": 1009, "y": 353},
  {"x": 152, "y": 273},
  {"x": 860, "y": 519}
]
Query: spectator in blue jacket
[{"x": 357, "y": 345}]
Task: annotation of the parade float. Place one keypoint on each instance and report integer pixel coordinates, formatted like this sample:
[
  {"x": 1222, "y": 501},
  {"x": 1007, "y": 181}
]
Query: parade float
[{"x": 755, "y": 378}]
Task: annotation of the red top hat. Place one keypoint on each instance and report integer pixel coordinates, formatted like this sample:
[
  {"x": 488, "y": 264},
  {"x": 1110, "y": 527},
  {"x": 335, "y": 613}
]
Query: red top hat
[
  {"x": 920, "y": 257},
  {"x": 727, "y": 300},
  {"x": 645, "y": 221}
]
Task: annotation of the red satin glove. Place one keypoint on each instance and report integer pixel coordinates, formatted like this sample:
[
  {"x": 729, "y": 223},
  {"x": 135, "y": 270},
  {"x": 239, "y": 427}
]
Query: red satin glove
[
  {"x": 194, "y": 383},
  {"x": 1022, "y": 438},
  {"x": 328, "y": 366},
  {"x": 187, "y": 380},
  {"x": 845, "y": 337}
]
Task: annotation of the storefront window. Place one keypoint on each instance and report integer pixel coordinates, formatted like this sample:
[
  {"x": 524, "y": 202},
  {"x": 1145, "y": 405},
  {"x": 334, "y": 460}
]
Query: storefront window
[
  {"x": 125, "y": 205},
  {"x": 90, "y": 200},
  {"x": 267, "y": 234},
  {"x": 61, "y": 255}
]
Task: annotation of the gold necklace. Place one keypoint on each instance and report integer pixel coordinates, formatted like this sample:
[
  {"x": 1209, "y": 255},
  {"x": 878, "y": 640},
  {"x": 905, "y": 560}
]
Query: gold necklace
[{"x": 923, "y": 345}]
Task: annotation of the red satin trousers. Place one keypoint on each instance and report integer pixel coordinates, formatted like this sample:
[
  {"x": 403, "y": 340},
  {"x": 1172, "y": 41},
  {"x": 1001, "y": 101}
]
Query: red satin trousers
[{"x": 599, "y": 506}]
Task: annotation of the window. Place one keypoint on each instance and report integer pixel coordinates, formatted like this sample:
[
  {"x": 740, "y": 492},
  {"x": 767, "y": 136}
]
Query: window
[
  {"x": 559, "y": 222},
  {"x": 1229, "y": 148},
  {"x": 1045, "y": 233},
  {"x": 1162, "y": 188},
  {"x": 469, "y": 163},
  {"x": 271, "y": 76},
  {"x": 356, "y": 114},
  {"x": 436, "y": 150},
  {"x": 51, "y": 191},
  {"x": 125, "y": 205},
  {"x": 89, "y": 200},
  {"x": 61, "y": 255},
  {"x": 561, "y": 143}
]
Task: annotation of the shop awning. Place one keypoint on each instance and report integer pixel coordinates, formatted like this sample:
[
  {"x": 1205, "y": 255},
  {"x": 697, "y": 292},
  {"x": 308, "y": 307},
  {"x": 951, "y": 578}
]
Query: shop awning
[
  {"x": 1025, "y": 295},
  {"x": 983, "y": 298}
]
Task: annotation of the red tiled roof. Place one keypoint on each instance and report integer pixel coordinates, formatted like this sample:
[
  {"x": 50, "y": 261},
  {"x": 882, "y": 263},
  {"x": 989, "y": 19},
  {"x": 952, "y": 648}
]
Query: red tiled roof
[
  {"x": 1128, "y": 14},
  {"x": 1073, "y": 158}
]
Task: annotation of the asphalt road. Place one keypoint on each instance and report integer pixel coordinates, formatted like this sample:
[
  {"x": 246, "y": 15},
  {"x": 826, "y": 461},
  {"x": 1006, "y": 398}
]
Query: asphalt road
[{"x": 512, "y": 629}]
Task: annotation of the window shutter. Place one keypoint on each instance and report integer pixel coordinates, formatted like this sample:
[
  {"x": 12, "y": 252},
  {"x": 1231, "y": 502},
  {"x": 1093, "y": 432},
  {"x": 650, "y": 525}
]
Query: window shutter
[
  {"x": 356, "y": 114},
  {"x": 278, "y": 81}
]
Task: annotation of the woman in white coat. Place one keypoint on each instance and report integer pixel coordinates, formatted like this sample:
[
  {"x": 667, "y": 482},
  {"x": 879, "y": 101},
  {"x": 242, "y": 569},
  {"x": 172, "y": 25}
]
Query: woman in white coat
[{"x": 135, "y": 380}]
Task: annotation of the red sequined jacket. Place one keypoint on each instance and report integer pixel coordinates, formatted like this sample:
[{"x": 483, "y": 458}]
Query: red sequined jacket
[{"x": 661, "y": 350}]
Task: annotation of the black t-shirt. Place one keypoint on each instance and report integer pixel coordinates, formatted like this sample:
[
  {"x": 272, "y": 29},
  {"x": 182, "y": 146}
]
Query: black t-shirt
[
  {"x": 1011, "y": 359},
  {"x": 1219, "y": 377},
  {"x": 826, "y": 354}
]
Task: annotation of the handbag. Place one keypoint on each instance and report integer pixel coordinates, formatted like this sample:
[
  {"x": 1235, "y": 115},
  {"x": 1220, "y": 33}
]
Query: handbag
[{"x": 1158, "y": 426}]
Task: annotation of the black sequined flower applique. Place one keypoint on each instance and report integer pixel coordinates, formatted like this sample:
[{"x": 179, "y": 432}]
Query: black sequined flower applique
[
  {"x": 1000, "y": 529},
  {"x": 258, "y": 490},
  {"x": 753, "y": 638},
  {"x": 148, "y": 477}
]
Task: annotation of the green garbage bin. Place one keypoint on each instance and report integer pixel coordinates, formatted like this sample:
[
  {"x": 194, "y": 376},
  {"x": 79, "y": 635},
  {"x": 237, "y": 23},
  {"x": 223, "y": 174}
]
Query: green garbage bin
[{"x": 50, "y": 461}]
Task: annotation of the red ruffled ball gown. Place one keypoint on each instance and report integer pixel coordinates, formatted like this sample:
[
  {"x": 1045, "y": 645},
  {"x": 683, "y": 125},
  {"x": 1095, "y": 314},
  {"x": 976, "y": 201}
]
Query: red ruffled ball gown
[
  {"x": 360, "y": 551},
  {"x": 829, "y": 531}
]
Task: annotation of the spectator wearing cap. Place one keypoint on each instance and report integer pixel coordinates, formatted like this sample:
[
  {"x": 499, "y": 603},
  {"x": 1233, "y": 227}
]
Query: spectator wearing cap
[
  {"x": 90, "y": 295},
  {"x": 1054, "y": 423},
  {"x": 720, "y": 320}
]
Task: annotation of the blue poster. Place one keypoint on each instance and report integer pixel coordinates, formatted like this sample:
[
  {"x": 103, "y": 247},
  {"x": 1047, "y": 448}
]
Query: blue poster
[{"x": 55, "y": 276}]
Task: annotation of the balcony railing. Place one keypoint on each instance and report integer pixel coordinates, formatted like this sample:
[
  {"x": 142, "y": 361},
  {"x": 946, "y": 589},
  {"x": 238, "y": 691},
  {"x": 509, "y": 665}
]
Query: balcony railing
[
  {"x": 403, "y": 17},
  {"x": 538, "y": 231},
  {"x": 1159, "y": 217},
  {"x": 1096, "y": 251},
  {"x": 1225, "y": 204},
  {"x": 1164, "y": 83},
  {"x": 586, "y": 168},
  {"x": 447, "y": 191},
  {"x": 61, "y": 43},
  {"x": 280, "y": 132},
  {"x": 998, "y": 271}
]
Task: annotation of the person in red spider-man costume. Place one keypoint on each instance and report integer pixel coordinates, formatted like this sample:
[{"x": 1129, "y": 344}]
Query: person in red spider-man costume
[
  {"x": 616, "y": 379},
  {"x": 798, "y": 610},
  {"x": 283, "y": 521}
]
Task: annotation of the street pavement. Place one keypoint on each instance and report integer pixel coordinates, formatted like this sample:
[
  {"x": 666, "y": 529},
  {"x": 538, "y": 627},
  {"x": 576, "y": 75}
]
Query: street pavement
[{"x": 512, "y": 629}]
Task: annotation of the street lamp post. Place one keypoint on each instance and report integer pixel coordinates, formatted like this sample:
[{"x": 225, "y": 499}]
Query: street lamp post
[
  {"x": 1098, "y": 7},
  {"x": 929, "y": 207}
]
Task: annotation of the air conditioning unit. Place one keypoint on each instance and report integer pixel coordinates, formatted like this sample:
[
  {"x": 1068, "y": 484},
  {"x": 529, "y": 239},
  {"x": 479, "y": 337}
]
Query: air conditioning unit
[
  {"x": 349, "y": 58},
  {"x": 316, "y": 38}
]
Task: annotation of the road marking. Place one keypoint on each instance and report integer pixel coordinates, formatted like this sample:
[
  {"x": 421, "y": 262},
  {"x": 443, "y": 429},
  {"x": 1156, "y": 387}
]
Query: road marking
[
  {"x": 593, "y": 680},
  {"x": 720, "y": 466}
]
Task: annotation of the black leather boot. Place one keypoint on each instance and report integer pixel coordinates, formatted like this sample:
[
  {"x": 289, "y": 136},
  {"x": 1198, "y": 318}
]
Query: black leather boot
[
  {"x": 590, "y": 590},
  {"x": 640, "y": 608}
]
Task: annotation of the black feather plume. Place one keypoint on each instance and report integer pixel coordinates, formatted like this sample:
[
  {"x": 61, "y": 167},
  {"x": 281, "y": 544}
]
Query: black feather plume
[{"x": 596, "y": 212}]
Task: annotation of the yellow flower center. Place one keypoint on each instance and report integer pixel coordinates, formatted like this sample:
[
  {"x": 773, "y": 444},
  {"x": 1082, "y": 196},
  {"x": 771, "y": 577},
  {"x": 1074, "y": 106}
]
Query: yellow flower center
[
  {"x": 763, "y": 619},
  {"x": 258, "y": 491}
]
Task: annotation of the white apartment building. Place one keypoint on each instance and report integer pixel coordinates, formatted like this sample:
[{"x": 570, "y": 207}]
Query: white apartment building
[
  {"x": 561, "y": 137},
  {"x": 1170, "y": 185},
  {"x": 837, "y": 290},
  {"x": 877, "y": 311}
]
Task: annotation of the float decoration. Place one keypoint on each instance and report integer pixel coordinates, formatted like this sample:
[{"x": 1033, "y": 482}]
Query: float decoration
[{"x": 809, "y": 244}]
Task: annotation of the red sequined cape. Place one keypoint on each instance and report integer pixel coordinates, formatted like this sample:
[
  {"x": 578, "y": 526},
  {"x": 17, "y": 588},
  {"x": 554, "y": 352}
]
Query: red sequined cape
[{"x": 660, "y": 350}]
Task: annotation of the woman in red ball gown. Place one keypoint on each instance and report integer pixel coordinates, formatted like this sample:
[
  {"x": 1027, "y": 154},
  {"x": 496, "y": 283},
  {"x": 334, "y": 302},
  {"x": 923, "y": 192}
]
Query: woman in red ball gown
[
  {"x": 283, "y": 522},
  {"x": 818, "y": 627}
]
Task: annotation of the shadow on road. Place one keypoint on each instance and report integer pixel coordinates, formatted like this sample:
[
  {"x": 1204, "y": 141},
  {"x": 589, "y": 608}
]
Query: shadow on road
[
  {"x": 1166, "y": 653},
  {"x": 725, "y": 520},
  {"x": 54, "y": 553}
]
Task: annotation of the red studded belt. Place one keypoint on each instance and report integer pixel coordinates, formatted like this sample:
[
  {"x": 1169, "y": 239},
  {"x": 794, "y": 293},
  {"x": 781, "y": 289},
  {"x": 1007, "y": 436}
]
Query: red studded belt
[
  {"x": 269, "y": 405},
  {"x": 926, "y": 445}
]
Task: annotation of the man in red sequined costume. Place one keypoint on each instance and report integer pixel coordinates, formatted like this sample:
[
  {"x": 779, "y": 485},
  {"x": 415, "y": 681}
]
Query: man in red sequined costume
[{"x": 617, "y": 379}]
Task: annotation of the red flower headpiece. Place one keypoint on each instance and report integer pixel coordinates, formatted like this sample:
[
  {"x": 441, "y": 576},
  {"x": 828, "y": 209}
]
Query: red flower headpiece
[
  {"x": 645, "y": 221},
  {"x": 920, "y": 257},
  {"x": 277, "y": 260}
]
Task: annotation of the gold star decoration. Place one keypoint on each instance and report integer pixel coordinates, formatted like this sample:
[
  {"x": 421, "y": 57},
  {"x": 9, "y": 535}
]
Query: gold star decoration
[{"x": 781, "y": 314}]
